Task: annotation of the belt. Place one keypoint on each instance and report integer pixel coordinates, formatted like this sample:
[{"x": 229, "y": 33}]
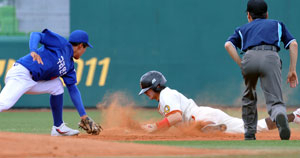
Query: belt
[{"x": 264, "y": 47}]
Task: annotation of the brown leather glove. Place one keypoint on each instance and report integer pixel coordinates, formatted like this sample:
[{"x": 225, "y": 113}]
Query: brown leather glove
[{"x": 90, "y": 126}]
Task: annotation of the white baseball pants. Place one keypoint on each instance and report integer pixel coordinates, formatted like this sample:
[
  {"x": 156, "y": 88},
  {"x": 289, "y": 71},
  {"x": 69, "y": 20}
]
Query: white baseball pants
[
  {"x": 18, "y": 81},
  {"x": 234, "y": 125}
]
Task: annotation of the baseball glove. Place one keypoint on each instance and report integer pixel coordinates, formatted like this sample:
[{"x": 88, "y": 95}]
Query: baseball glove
[{"x": 90, "y": 126}]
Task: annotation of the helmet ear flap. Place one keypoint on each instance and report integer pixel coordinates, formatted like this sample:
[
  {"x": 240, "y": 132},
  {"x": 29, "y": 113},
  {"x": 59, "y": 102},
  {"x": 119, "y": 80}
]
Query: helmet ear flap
[{"x": 157, "y": 88}]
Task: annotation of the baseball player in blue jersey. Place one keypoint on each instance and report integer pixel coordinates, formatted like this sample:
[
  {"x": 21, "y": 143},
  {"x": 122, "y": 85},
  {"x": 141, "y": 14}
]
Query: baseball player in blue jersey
[
  {"x": 38, "y": 72},
  {"x": 260, "y": 40}
]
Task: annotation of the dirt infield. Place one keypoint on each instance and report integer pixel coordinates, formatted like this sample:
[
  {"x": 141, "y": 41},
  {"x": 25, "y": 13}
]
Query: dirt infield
[
  {"x": 19, "y": 145},
  {"x": 120, "y": 124},
  {"x": 30, "y": 145}
]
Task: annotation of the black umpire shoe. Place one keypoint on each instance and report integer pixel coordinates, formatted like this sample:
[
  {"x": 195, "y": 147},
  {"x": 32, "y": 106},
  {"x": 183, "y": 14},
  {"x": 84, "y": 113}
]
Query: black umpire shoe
[
  {"x": 249, "y": 136},
  {"x": 283, "y": 127}
]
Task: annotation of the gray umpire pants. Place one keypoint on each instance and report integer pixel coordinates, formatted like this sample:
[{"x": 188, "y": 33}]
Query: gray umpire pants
[{"x": 265, "y": 65}]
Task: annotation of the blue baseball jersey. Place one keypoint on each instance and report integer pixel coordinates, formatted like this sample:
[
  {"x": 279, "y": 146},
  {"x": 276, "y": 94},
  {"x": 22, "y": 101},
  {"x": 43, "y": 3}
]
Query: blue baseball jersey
[
  {"x": 57, "y": 55},
  {"x": 261, "y": 32}
]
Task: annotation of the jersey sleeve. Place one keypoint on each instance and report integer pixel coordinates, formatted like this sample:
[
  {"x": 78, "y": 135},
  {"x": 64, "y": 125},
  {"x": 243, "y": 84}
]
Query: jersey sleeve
[
  {"x": 52, "y": 40},
  {"x": 76, "y": 99},
  {"x": 35, "y": 38},
  {"x": 235, "y": 39},
  {"x": 170, "y": 104},
  {"x": 286, "y": 37},
  {"x": 70, "y": 77}
]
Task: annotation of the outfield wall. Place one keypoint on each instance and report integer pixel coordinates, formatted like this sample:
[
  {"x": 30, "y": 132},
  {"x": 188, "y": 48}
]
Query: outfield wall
[{"x": 184, "y": 39}]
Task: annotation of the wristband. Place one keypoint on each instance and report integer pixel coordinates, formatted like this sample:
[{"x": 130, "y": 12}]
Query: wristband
[{"x": 163, "y": 123}]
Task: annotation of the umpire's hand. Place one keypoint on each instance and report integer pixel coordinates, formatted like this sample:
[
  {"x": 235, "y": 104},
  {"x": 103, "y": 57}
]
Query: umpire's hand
[{"x": 292, "y": 79}]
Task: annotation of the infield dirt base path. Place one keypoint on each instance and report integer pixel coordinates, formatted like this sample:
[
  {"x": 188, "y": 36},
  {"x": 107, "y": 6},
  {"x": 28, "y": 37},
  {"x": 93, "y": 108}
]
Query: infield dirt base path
[
  {"x": 30, "y": 145},
  {"x": 20, "y": 145}
]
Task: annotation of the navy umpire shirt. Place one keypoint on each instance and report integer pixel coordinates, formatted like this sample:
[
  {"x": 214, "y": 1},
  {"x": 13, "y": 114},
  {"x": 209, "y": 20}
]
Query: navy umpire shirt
[{"x": 261, "y": 32}]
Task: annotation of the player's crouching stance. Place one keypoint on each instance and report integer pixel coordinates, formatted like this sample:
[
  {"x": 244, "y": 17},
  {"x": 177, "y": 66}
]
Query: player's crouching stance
[
  {"x": 38, "y": 72},
  {"x": 176, "y": 108}
]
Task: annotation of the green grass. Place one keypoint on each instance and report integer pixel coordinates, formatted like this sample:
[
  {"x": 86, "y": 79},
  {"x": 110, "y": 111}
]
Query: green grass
[
  {"x": 237, "y": 144},
  {"x": 38, "y": 121},
  {"x": 41, "y": 122},
  {"x": 267, "y": 148},
  {"x": 269, "y": 155}
]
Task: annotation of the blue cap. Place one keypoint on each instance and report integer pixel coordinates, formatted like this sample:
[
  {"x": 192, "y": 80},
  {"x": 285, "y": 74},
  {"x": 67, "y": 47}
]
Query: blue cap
[{"x": 79, "y": 36}]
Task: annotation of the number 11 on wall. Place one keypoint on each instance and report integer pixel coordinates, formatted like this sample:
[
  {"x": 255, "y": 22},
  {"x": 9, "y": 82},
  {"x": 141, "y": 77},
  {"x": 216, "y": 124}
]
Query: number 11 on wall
[{"x": 92, "y": 63}]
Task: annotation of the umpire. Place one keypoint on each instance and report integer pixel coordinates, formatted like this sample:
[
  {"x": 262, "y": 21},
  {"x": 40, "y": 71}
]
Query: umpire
[{"x": 260, "y": 39}]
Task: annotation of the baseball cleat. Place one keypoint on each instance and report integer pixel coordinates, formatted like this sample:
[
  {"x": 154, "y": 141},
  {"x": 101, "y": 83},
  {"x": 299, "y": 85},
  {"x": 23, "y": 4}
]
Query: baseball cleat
[
  {"x": 283, "y": 127},
  {"x": 63, "y": 130},
  {"x": 297, "y": 116},
  {"x": 214, "y": 128}
]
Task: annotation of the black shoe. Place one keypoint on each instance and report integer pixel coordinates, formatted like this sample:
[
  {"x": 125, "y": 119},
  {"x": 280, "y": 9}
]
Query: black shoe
[
  {"x": 249, "y": 137},
  {"x": 283, "y": 127}
]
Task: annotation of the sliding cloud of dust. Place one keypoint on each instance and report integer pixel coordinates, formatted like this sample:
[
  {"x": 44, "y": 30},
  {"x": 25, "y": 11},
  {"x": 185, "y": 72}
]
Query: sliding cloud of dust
[
  {"x": 120, "y": 122},
  {"x": 118, "y": 112}
]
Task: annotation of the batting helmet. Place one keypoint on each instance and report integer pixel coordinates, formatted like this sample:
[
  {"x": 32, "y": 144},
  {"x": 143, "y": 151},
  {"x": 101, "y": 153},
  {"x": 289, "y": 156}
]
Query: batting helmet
[{"x": 154, "y": 80}]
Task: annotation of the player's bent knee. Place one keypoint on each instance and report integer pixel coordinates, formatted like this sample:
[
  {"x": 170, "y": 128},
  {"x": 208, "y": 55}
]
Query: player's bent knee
[
  {"x": 5, "y": 106},
  {"x": 58, "y": 89}
]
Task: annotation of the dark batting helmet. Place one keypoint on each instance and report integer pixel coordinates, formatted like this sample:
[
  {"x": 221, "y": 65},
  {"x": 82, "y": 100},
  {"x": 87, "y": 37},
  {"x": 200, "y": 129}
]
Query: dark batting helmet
[{"x": 154, "y": 80}]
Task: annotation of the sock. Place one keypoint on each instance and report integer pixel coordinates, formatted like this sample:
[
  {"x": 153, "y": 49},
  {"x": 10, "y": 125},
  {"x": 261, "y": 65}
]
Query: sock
[{"x": 56, "y": 102}]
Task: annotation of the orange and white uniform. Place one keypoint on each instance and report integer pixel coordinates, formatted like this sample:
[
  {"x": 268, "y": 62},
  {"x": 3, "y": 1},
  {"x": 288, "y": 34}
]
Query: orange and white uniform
[{"x": 172, "y": 101}]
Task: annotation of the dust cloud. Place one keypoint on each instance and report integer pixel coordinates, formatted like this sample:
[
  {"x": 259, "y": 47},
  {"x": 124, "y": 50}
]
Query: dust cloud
[
  {"x": 118, "y": 112},
  {"x": 120, "y": 121}
]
